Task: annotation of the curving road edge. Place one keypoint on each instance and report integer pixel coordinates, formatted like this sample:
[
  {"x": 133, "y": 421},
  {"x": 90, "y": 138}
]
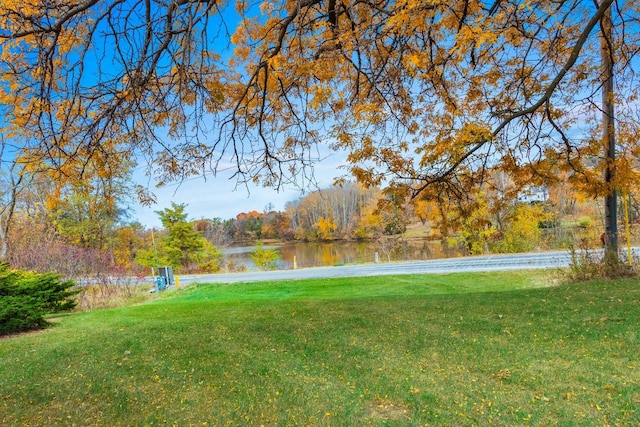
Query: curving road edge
[{"x": 526, "y": 261}]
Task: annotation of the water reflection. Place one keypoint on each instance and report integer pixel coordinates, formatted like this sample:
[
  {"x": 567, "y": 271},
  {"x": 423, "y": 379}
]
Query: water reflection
[{"x": 319, "y": 254}]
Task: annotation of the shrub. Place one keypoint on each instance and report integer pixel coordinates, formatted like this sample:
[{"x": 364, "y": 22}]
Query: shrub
[
  {"x": 587, "y": 264},
  {"x": 265, "y": 259},
  {"x": 585, "y": 222},
  {"x": 26, "y": 298},
  {"x": 112, "y": 291},
  {"x": 524, "y": 233}
]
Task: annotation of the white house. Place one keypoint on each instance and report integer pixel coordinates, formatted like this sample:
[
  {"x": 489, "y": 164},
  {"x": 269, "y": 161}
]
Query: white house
[{"x": 531, "y": 194}]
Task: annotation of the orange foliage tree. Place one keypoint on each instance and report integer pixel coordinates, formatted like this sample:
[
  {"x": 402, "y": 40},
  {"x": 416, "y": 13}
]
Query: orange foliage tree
[
  {"x": 425, "y": 96},
  {"x": 324, "y": 228},
  {"x": 428, "y": 96}
]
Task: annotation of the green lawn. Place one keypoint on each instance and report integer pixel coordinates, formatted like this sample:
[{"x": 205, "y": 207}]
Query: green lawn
[{"x": 460, "y": 349}]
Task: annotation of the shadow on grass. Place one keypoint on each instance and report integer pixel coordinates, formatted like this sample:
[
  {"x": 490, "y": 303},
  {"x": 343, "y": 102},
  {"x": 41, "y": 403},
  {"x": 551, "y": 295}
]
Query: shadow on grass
[{"x": 405, "y": 350}]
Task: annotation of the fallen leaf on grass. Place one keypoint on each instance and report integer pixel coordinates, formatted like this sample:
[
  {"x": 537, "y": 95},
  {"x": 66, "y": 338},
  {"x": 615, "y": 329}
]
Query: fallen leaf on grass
[
  {"x": 383, "y": 409},
  {"x": 503, "y": 374}
]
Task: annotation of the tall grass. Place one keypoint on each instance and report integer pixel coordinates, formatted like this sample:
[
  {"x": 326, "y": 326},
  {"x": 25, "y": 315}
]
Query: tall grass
[{"x": 459, "y": 349}]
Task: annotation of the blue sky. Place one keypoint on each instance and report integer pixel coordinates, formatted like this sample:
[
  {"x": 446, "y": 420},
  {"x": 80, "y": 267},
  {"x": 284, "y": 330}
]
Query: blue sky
[{"x": 220, "y": 197}]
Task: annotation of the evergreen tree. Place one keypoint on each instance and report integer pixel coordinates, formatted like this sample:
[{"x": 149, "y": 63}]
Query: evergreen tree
[{"x": 182, "y": 246}]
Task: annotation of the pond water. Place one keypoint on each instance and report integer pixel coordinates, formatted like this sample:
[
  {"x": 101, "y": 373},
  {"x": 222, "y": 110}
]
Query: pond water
[{"x": 321, "y": 254}]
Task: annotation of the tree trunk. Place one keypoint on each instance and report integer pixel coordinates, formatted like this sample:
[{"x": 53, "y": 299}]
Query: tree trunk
[
  {"x": 6, "y": 214},
  {"x": 608, "y": 114}
]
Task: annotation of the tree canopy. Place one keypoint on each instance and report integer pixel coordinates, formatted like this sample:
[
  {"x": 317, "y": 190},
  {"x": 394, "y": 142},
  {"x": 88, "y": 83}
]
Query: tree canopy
[
  {"x": 426, "y": 96},
  {"x": 434, "y": 93}
]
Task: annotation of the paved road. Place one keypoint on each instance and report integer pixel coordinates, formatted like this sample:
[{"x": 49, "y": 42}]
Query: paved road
[{"x": 450, "y": 265}]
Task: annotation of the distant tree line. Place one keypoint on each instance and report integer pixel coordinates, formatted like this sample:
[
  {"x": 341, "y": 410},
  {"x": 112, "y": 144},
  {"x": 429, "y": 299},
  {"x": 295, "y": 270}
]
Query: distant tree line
[{"x": 80, "y": 230}]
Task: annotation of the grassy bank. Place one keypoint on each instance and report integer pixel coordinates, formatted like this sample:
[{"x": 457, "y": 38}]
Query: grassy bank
[{"x": 459, "y": 349}]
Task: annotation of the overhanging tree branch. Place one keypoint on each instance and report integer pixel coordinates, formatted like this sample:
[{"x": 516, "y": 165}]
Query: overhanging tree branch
[{"x": 548, "y": 93}]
